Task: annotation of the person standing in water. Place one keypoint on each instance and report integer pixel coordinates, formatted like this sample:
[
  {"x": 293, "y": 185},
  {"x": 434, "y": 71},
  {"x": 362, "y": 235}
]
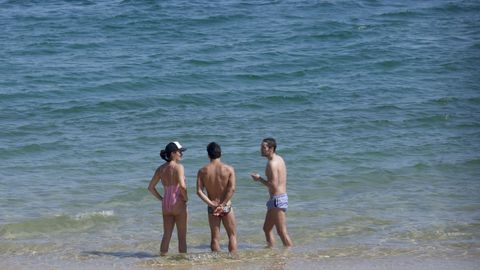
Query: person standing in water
[
  {"x": 276, "y": 182},
  {"x": 219, "y": 181},
  {"x": 174, "y": 199}
]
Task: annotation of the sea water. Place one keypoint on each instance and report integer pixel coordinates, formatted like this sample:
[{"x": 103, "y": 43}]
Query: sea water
[{"x": 375, "y": 106}]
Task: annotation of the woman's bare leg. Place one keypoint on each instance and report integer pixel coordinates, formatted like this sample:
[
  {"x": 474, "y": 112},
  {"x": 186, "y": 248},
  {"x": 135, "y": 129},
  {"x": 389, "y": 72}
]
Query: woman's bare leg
[
  {"x": 181, "y": 221},
  {"x": 168, "y": 224}
]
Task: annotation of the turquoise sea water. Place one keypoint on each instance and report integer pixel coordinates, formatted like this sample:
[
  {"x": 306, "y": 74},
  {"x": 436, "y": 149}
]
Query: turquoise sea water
[{"x": 375, "y": 106}]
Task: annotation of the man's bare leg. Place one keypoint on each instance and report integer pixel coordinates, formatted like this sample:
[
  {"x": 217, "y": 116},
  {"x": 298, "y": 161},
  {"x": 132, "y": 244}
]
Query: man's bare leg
[
  {"x": 214, "y": 232},
  {"x": 268, "y": 227},
  {"x": 281, "y": 225},
  {"x": 231, "y": 228}
]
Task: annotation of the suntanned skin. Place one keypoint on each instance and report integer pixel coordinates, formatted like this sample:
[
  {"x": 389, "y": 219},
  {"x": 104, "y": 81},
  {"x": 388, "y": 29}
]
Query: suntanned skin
[
  {"x": 276, "y": 173},
  {"x": 172, "y": 173},
  {"x": 218, "y": 179}
]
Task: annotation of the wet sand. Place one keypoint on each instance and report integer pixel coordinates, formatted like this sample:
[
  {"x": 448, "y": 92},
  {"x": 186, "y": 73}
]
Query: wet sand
[{"x": 204, "y": 261}]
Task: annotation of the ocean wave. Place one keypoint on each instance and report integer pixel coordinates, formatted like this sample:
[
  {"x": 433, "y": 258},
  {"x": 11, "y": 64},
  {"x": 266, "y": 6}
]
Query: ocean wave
[
  {"x": 32, "y": 148},
  {"x": 462, "y": 164},
  {"x": 337, "y": 35},
  {"x": 93, "y": 215},
  {"x": 456, "y": 7},
  {"x": 211, "y": 62},
  {"x": 29, "y": 95},
  {"x": 421, "y": 166},
  {"x": 355, "y": 226},
  {"x": 117, "y": 85},
  {"x": 56, "y": 225},
  {"x": 271, "y": 76},
  {"x": 389, "y": 64},
  {"x": 441, "y": 108},
  {"x": 445, "y": 100},
  {"x": 279, "y": 99},
  {"x": 127, "y": 198},
  {"x": 473, "y": 162},
  {"x": 218, "y": 19},
  {"x": 402, "y": 14},
  {"x": 429, "y": 119},
  {"x": 474, "y": 100},
  {"x": 456, "y": 232},
  {"x": 19, "y": 248},
  {"x": 108, "y": 105},
  {"x": 84, "y": 45}
]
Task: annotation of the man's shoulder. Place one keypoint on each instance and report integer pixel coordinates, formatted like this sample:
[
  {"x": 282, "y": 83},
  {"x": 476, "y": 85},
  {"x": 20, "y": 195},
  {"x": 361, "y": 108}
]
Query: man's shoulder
[
  {"x": 278, "y": 158},
  {"x": 227, "y": 167},
  {"x": 203, "y": 169},
  {"x": 276, "y": 161}
]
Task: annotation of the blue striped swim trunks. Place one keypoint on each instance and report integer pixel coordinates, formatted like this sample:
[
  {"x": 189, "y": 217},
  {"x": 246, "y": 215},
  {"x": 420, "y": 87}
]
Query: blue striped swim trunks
[{"x": 278, "y": 201}]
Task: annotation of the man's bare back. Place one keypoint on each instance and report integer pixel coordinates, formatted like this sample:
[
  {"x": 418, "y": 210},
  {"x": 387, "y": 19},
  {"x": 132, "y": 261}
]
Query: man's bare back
[{"x": 218, "y": 179}]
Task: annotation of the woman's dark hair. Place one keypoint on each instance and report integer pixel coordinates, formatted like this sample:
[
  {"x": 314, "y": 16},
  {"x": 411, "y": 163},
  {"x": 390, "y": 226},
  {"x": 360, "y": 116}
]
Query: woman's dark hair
[
  {"x": 169, "y": 149},
  {"x": 214, "y": 150}
]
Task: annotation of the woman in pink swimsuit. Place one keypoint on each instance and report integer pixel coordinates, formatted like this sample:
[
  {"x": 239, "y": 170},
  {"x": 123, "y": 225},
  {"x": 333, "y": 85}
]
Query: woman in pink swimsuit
[{"x": 174, "y": 199}]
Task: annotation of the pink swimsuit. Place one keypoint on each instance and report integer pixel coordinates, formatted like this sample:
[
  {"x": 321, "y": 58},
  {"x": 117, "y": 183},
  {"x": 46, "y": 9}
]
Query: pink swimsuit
[{"x": 172, "y": 193}]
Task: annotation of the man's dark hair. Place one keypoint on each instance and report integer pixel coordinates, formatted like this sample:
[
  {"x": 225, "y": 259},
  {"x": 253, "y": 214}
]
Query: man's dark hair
[
  {"x": 214, "y": 150},
  {"x": 271, "y": 143}
]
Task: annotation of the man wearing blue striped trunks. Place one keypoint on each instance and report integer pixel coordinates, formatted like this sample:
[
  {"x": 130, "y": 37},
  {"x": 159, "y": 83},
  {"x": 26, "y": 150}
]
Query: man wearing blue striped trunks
[{"x": 276, "y": 182}]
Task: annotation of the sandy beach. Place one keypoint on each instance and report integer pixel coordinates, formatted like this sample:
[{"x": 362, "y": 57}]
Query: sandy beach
[{"x": 256, "y": 260}]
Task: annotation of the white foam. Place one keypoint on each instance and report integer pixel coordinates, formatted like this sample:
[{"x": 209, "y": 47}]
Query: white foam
[{"x": 105, "y": 213}]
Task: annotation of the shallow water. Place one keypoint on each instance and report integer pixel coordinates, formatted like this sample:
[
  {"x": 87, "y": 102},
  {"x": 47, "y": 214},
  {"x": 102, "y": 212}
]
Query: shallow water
[{"x": 375, "y": 106}]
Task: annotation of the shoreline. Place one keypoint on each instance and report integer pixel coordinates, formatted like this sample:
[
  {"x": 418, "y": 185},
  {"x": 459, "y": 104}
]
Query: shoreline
[{"x": 253, "y": 259}]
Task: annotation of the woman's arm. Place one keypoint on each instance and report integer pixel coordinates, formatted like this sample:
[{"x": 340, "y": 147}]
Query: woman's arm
[
  {"x": 153, "y": 183},
  {"x": 181, "y": 182}
]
